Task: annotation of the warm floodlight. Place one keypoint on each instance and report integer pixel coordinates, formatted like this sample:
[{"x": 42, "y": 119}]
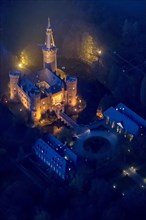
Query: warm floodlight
[
  {"x": 20, "y": 65},
  {"x": 99, "y": 52}
]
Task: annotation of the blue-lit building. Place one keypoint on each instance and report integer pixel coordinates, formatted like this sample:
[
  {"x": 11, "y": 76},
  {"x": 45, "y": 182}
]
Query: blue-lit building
[
  {"x": 124, "y": 120},
  {"x": 55, "y": 155}
]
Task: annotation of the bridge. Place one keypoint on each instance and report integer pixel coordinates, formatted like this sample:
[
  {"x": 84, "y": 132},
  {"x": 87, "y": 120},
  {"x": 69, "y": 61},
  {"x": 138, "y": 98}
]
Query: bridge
[
  {"x": 78, "y": 129},
  {"x": 67, "y": 120}
]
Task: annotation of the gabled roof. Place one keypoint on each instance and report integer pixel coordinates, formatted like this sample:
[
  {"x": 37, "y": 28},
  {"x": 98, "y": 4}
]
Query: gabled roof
[
  {"x": 27, "y": 86},
  {"x": 131, "y": 114},
  {"x": 30, "y": 81},
  {"x": 129, "y": 125},
  {"x": 49, "y": 77}
]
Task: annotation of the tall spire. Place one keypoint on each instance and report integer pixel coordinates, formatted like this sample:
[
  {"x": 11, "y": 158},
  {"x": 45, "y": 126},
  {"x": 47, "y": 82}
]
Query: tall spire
[
  {"x": 49, "y": 36},
  {"x": 49, "y": 50},
  {"x": 49, "y": 24}
]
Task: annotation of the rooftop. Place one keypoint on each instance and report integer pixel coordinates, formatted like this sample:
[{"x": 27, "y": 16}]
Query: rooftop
[
  {"x": 128, "y": 124},
  {"x": 131, "y": 114}
]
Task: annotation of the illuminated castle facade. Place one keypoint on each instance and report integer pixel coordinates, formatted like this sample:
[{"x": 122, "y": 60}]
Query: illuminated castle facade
[{"x": 44, "y": 90}]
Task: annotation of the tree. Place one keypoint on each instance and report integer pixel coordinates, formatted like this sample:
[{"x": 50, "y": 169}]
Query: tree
[
  {"x": 89, "y": 50},
  {"x": 126, "y": 29}
]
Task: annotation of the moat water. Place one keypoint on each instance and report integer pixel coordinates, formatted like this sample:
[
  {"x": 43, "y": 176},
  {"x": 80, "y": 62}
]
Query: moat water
[{"x": 89, "y": 87}]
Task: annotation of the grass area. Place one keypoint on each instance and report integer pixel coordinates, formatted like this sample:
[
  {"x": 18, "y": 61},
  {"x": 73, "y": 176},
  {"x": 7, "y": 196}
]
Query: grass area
[
  {"x": 95, "y": 144},
  {"x": 142, "y": 171},
  {"x": 124, "y": 183}
]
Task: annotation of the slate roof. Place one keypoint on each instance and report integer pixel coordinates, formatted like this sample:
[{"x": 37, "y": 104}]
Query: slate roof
[
  {"x": 131, "y": 114},
  {"x": 129, "y": 125},
  {"x": 27, "y": 86},
  {"x": 28, "y": 82}
]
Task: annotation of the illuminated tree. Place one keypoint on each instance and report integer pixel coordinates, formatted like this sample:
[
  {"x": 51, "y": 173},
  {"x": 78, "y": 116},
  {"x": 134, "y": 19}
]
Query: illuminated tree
[
  {"x": 24, "y": 59},
  {"x": 30, "y": 56},
  {"x": 89, "y": 50}
]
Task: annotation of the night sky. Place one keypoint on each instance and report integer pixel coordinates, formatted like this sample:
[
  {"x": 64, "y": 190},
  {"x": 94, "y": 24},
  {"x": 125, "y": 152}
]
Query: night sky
[{"x": 22, "y": 22}]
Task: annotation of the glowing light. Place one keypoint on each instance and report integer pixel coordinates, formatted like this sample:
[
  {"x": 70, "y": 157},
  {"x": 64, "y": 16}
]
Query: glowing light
[
  {"x": 89, "y": 49},
  {"x": 99, "y": 113},
  {"x": 57, "y": 130},
  {"x": 65, "y": 157},
  {"x": 20, "y": 65},
  {"x": 71, "y": 143},
  {"x": 99, "y": 52},
  {"x": 125, "y": 173},
  {"x": 87, "y": 131},
  {"x": 74, "y": 102},
  {"x": 133, "y": 169},
  {"x": 114, "y": 186},
  {"x": 57, "y": 98}
]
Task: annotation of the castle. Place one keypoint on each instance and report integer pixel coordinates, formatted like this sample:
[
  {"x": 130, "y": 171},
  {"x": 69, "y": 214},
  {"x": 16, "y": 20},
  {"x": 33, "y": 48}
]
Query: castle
[{"x": 44, "y": 90}]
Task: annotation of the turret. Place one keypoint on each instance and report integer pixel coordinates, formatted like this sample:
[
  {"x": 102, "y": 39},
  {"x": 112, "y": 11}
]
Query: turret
[
  {"x": 71, "y": 87},
  {"x": 14, "y": 77},
  {"x": 49, "y": 50},
  {"x": 35, "y": 105}
]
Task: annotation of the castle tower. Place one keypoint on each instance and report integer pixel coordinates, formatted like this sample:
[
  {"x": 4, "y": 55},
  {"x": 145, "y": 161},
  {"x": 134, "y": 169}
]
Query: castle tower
[
  {"x": 71, "y": 87},
  {"x": 35, "y": 105},
  {"x": 14, "y": 77},
  {"x": 49, "y": 50}
]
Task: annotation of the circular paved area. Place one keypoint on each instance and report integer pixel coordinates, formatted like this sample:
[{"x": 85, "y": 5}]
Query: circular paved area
[{"x": 108, "y": 152}]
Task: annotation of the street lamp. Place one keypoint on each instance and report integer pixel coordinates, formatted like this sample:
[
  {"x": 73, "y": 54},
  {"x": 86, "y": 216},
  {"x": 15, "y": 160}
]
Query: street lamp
[
  {"x": 20, "y": 65},
  {"x": 99, "y": 52}
]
